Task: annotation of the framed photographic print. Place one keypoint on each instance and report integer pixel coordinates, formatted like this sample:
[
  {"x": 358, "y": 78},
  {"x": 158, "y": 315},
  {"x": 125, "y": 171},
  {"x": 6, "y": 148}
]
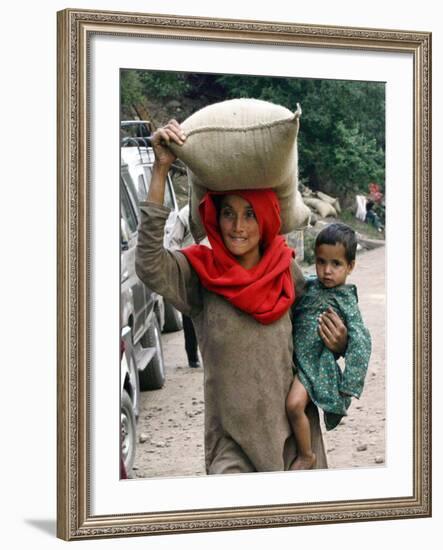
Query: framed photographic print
[{"x": 121, "y": 76}]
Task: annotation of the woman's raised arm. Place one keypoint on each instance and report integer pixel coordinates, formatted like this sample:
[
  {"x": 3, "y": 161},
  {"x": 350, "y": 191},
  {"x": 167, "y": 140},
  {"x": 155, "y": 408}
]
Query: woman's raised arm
[{"x": 165, "y": 271}]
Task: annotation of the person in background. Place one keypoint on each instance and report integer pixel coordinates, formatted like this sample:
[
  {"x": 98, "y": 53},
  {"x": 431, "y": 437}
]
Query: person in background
[
  {"x": 179, "y": 238},
  {"x": 371, "y": 216}
]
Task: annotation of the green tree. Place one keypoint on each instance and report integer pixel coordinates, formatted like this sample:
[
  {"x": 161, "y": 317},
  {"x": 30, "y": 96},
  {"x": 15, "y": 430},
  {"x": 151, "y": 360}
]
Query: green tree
[
  {"x": 131, "y": 88},
  {"x": 342, "y": 135},
  {"x": 352, "y": 162},
  {"x": 138, "y": 86},
  {"x": 165, "y": 85},
  {"x": 342, "y": 132}
]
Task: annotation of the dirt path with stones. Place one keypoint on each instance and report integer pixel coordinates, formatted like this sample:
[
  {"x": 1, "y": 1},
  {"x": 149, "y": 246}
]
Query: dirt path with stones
[{"x": 170, "y": 427}]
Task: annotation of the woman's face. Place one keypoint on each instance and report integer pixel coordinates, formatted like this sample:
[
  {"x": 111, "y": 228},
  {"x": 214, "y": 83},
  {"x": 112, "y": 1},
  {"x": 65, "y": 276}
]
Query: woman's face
[{"x": 240, "y": 231}]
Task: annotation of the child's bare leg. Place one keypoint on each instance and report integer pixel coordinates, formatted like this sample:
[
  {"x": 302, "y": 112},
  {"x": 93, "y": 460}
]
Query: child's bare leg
[{"x": 296, "y": 403}]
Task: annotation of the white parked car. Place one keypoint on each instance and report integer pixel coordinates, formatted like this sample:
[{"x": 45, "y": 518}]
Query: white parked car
[
  {"x": 137, "y": 160},
  {"x": 143, "y": 313},
  {"x": 129, "y": 401}
]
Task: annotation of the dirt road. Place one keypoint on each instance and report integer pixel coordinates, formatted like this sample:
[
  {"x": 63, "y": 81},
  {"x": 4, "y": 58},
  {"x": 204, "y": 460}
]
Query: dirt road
[{"x": 170, "y": 427}]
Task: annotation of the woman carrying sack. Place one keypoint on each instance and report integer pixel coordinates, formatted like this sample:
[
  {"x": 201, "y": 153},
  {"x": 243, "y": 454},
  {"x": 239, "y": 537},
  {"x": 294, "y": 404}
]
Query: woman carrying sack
[{"x": 238, "y": 294}]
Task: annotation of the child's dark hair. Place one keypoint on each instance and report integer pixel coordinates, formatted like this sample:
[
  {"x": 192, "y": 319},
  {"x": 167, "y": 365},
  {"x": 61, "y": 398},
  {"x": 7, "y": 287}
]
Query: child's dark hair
[{"x": 339, "y": 233}]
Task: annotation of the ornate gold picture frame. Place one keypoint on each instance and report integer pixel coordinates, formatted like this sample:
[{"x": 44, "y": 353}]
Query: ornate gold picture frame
[{"x": 76, "y": 516}]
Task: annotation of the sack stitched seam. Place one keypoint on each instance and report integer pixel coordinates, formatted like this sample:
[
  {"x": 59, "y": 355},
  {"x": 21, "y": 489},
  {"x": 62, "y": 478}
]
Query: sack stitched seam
[{"x": 258, "y": 126}]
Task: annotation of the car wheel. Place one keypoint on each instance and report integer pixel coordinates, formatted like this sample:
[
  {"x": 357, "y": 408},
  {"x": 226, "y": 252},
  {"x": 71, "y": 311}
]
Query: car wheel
[
  {"x": 128, "y": 431},
  {"x": 153, "y": 376},
  {"x": 173, "y": 319}
]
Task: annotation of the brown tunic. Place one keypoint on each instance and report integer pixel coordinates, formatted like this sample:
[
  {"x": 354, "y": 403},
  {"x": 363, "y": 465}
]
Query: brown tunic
[{"x": 247, "y": 365}]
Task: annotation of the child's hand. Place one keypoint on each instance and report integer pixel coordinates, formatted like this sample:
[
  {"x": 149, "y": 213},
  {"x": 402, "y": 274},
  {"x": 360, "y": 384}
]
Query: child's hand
[{"x": 333, "y": 331}]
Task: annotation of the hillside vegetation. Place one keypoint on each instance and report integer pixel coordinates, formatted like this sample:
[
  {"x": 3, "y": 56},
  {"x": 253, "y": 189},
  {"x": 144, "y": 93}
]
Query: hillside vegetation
[{"x": 342, "y": 131}]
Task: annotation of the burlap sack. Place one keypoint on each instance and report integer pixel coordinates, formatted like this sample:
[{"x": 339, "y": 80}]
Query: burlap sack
[
  {"x": 332, "y": 200},
  {"x": 323, "y": 208},
  {"x": 243, "y": 144}
]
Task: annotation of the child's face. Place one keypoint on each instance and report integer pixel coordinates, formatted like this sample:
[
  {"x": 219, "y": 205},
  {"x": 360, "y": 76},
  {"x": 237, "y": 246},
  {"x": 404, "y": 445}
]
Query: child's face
[{"x": 331, "y": 264}]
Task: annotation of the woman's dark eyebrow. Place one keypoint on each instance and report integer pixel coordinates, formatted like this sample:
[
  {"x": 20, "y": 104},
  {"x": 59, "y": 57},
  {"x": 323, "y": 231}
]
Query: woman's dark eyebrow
[{"x": 247, "y": 208}]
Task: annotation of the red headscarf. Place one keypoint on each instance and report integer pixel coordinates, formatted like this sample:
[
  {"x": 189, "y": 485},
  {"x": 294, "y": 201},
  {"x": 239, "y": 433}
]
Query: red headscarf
[{"x": 267, "y": 290}]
